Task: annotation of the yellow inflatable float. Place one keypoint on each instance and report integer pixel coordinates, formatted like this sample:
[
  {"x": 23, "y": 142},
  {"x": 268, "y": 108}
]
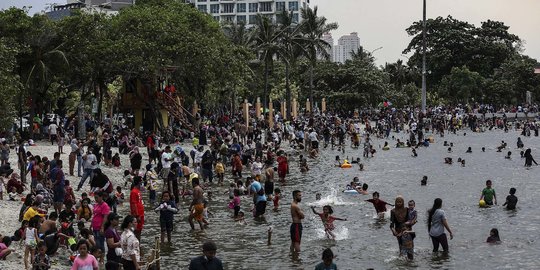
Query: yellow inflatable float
[{"x": 346, "y": 164}]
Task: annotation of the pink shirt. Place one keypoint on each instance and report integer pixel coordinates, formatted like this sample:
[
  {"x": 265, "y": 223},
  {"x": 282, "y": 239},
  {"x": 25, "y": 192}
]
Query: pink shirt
[
  {"x": 88, "y": 263},
  {"x": 100, "y": 211}
]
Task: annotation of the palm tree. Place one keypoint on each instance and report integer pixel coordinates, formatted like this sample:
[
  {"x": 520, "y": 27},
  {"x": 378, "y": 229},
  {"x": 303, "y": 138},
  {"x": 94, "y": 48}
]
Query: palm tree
[
  {"x": 313, "y": 29},
  {"x": 238, "y": 33},
  {"x": 290, "y": 48},
  {"x": 40, "y": 65},
  {"x": 265, "y": 39}
]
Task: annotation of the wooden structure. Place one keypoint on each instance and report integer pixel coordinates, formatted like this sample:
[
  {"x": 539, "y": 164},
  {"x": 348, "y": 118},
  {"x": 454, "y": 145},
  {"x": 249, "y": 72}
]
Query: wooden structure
[{"x": 152, "y": 108}]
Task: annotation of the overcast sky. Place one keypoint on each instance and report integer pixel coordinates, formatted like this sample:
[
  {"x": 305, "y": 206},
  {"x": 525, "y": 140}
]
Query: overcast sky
[{"x": 382, "y": 23}]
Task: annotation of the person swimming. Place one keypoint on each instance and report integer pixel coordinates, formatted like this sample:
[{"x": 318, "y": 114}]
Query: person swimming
[
  {"x": 508, "y": 155},
  {"x": 469, "y": 150},
  {"x": 423, "y": 182}
]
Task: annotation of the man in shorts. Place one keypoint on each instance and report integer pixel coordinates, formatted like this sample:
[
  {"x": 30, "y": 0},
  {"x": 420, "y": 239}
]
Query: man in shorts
[
  {"x": 196, "y": 209},
  {"x": 296, "y": 227}
]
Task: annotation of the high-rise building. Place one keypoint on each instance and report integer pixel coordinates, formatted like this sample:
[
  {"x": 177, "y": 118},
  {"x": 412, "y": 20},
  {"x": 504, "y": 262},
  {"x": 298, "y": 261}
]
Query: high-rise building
[
  {"x": 330, "y": 40},
  {"x": 346, "y": 45},
  {"x": 246, "y": 10}
]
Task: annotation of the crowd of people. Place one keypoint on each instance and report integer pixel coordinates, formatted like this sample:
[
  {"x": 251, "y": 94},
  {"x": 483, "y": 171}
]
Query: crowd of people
[{"x": 224, "y": 151}]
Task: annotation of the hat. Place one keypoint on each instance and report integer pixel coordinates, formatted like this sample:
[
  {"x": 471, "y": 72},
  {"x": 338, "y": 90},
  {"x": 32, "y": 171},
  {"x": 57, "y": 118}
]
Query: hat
[{"x": 209, "y": 246}]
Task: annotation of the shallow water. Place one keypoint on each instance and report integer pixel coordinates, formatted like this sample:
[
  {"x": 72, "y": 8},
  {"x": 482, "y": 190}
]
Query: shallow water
[{"x": 364, "y": 242}]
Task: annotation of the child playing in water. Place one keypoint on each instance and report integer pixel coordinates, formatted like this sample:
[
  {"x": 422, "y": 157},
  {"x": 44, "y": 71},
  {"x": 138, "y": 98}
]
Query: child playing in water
[
  {"x": 423, "y": 182},
  {"x": 240, "y": 218},
  {"x": 277, "y": 196},
  {"x": 511, "y": 200},
  {"x": 327, "y": 264},
  {"x": 508, "y": 155},
  {"x": 411, "y": 214},
  {"x": 493, "y": 236},
  {"x": 488, "y": 194},
  {"x": 220, "y": 171},
  {"x": 380, "y": 205},
  {"x": 166, "y": 210},
  {"x": 235, "y": 202},
  {"x": 42, "y": 260},
  {"x": 407, "y": 242},
  {"x": 328, "y": 220}
]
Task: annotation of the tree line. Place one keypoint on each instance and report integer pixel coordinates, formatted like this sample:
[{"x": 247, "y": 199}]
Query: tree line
[{"x": 62, "y": 65}]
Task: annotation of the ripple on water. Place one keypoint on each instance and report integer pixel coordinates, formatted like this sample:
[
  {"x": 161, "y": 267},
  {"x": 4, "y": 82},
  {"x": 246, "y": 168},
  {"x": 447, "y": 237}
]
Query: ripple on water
[{"x": 364, "y": 242}]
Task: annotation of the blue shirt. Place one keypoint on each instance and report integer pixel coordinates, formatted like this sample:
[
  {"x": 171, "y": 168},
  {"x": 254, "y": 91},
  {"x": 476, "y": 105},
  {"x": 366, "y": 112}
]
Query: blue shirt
[{"x": 255, "y": 187}]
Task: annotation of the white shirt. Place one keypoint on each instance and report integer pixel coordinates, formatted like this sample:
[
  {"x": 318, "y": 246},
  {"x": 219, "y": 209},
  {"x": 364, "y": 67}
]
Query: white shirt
[
  {"x": 313, "y": 136},
  {"x": 52, "y": 129},
  {"x": 166, "y": 159}
]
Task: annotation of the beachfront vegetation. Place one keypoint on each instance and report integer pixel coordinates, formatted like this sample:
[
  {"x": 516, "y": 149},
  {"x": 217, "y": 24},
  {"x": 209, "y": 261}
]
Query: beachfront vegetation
[{"x": 63, "y": 65}]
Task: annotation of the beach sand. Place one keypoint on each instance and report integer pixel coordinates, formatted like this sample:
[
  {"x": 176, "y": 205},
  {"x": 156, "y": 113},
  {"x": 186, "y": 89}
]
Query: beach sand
[{"x": 9, "y": 210}]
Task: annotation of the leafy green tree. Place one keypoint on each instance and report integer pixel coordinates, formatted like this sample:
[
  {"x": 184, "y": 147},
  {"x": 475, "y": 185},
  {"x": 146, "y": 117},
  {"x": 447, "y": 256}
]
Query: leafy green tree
[
  {"x": 9, "y": 84},
  {"x": 266, "y": 39},
  {"x": 313, "y": 28},
  {"x": 290, "y": 48},
  {"x": 463, "y": 85}
]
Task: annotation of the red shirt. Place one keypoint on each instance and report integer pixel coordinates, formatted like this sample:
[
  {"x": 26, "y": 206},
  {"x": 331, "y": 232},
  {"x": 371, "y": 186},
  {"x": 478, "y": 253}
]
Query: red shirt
[
  {"x": 380, "y": 205},
  {"x": 135, "y": 203},
  {"x": 282, "y": 163}
]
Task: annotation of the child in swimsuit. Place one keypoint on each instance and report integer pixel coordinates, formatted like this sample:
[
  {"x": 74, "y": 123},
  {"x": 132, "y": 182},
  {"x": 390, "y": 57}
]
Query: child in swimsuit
[{"x": 328, "y": 220}]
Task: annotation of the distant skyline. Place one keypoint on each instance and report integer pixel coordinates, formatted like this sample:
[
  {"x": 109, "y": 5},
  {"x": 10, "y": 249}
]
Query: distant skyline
[{"x": 382, "y": 23}]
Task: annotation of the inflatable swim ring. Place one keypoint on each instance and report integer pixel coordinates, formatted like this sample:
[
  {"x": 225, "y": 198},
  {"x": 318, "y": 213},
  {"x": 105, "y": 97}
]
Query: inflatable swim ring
[
  {"x": 346, "y": 164},
  {"x": 350, "y": 191},
  {"x": 386, "y": 148}
]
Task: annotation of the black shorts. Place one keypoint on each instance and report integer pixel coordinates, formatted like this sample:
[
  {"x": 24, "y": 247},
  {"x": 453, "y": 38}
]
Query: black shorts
[
  {"x": 315, "y": 144},
  {"x": 53, "y": 138},
  {"x": 166, "y": 225},
  {"x": 296, "y": 232},
  {"x": 260, "y": 208}
]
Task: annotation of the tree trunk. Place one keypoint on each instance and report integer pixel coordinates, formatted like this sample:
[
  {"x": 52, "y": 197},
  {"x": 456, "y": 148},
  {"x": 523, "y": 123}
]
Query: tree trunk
[
  {"x": 80, "y": 115},
  {"x": 102, "y": 88},
  {"x": 311, "y": 100},
  {"x": 265, "y": 86},
  {"x": 287, "y": 91}
]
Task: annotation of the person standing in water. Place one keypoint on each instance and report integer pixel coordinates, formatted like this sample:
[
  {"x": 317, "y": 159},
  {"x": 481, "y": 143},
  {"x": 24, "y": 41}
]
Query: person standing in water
[
  {"x": 296, "y": 227},
  {"x": 529, "y": 158},
  {"x": 398, "y": 218},
  {"x": 196, "y": 209},
  {"x": 436, "y": 225}
]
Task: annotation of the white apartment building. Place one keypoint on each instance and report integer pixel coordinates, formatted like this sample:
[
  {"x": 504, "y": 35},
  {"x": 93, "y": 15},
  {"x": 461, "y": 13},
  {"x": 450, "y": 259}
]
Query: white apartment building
[
  {"x": 346, "y": 45},
  {"x": 247, "y": 10},
  {"x": 330, "y": 40}
]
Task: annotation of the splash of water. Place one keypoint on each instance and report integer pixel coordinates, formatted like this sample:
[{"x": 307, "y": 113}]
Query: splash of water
[
  {"x": 341, "y": 233},
  {"x": 330, "y": 199}
]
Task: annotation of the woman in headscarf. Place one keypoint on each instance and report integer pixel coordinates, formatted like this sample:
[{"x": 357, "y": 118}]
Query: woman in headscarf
[{"x": 398, "y": 217}]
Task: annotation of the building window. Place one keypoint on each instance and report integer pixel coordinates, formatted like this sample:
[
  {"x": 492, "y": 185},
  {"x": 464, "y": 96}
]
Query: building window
[
  {"x": 295, "y": 17},
  {"x": 241, "y": 18},
  {"x": 216, "y": 18},
  {"x": 214, "y": 8},
  {"x": 293, "y": 6},
  {"x": 228, "y": 18},
  {"x": 266, "y": 7},
  {"x": 253, "y": 7},
  {"x": 228, "y": 8},
  {"x": 252, "y": 19},
  {"x": 201, "y": 1},
  {"x": 202, "y": 8},
  {"x": 241, "y": 7},
  {"x": 280, "y": 6}
]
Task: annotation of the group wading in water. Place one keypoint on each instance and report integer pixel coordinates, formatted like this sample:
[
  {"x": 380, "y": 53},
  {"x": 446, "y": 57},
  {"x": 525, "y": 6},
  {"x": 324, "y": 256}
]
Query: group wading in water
[{"x": 100, "y": 220}]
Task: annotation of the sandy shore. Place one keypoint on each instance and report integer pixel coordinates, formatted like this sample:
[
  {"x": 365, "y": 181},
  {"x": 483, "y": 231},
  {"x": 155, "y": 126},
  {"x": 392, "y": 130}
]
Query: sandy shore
[{"x": 9, "y": 210}]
